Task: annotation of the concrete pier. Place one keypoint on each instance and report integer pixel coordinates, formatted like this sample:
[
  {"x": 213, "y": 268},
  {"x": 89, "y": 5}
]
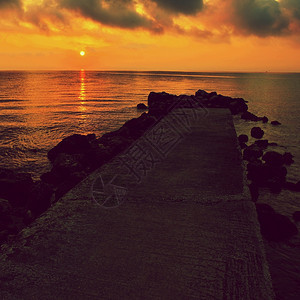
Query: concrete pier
[{"x": 187, "y": 228}]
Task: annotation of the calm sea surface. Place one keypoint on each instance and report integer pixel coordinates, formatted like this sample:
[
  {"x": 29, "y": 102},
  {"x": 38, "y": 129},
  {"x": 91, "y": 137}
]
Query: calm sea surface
[{"x": 39, "y": 109}]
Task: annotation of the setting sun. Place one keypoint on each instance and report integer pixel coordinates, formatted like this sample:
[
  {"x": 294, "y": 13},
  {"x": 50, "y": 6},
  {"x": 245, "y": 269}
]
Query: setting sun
[{"x": 82, "y": 53}]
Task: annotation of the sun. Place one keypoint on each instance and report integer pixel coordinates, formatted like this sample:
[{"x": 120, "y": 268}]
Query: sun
[{"x": 82, "y": 53}]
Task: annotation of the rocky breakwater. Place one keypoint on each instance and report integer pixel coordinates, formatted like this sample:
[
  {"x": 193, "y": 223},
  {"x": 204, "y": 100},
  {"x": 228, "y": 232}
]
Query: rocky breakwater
[
  {"x": 267, "y": 170},
  {"x": 75, "y": 157}
]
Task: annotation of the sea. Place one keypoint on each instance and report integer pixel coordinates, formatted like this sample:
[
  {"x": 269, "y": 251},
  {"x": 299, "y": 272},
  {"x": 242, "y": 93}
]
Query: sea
[{"x": 40, "y": 108}]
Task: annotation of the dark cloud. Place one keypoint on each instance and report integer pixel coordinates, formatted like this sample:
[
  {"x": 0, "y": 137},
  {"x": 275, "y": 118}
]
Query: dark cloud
[
  {"x": 9, "y": 3},
  {"x": 260, "y": 17},
  {"x": 188, "y": 7},
  {"x": 293, "y": 6},
  {"x": 120, "y": 13}
]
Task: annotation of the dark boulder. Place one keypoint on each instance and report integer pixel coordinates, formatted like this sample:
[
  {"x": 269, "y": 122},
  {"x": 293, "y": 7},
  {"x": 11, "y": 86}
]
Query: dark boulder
[
  {"x": 265, "y": 119},
  {"x": 274, "y": 226},
  {"x": 40, "y": 199},
  {"x": 74, "y": 144},
  {"x": 273, "y": 158},
  {"x": 296, "y": 216},
  {"x": 263, "y": 208},
  {"x": 15, "y": 186},
  {"x": 275, "y": 123},
  {"x": 243, "y": 145},
  {"x": 273, "y": 144},
  {"x": 297, "y": 186},
  {"x": 289, "y": 186},
  {"x": 252, "y": 153},
  {"x": 5, "y": 214},
  {"x": 160, "y": 104},
  {"x": 141, "y": 106},
  {"x": 91, "y": 137},
  {"x": 249, "y": 116},
  {"x": 66, "y": 164},
  {"x": 262, "y": 143},
  {"x": 254, "y": 191},
  {"x": 243, "y": 138},
  {"x": 287, "y": 158},
  {"x": 257, "y": 132}
]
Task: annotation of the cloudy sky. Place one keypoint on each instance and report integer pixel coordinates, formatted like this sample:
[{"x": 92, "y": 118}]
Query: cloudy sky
[{"x": 187, "y": 35}]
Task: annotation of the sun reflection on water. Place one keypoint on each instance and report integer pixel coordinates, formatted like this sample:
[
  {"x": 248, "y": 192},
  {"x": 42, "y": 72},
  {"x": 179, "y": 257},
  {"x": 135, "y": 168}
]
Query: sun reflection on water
[{"x": 82, "y": 94}]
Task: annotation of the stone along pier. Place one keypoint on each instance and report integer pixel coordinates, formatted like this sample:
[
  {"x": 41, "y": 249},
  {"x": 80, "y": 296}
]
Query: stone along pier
[{"x": 171, "y": 218}]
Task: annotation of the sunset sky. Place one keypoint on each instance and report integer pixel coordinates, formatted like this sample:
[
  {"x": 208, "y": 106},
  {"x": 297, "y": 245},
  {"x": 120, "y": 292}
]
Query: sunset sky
[{"x": 173, "y": 35}]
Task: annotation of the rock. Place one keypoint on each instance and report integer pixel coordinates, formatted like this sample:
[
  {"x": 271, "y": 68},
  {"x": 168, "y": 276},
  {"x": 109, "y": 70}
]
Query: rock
[
  {"x": 15, "y": 186},
  {"x": 289, "y": 186},
  {"x": 66, "y": 164},
  {"x": 160, "y": 104},
  {"x": 287, "y": 158},
  {"x": 296, "y": 216},
  {"x": 275, "y": 123},
  {"x": 252, "y": 152},
  {"x": 74, "y": 144},
  {"x": 243, "y": 145},
  {"x": 141, "y": 106},
  {"x": 265, "y": 119},
  {"x": 257, "y": 132},
  {"x": 254, "y": 191},
  {"x": 262, "y": 143},
  {"x": 91, "y": 137},
  {"x": 5, "y": 214},
  {"x": 273, "y": 158},
  {"x": 40, "y": 199},
  {"x": 243, "y": 138},
  {"x": 297, "y": 186},
  {"x": 51, "y": 178},
  {"x": 249, "y": 116},
  {"x": 263, "y": 208},
  {"x": 274, "y": 226}
]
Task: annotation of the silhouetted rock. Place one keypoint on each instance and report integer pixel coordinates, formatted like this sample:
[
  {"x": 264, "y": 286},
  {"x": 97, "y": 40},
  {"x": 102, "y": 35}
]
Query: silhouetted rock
[
  {"x": 243, "y": 145},
  {"x": 66, "y": 164},
  {"x": 296, "y": 216},
  {"x": 287, "y": 158},
  {"x": 257, "y": 132},
  {"x": 91, "y": 137},
  {"x": 275, "y": 123},
  {"x": 265, "y": 119},
  {"x": 141, "y": 106},
  {"x": 289, "y": 186},
  {"x": 274, "y": 226},
  {"x": 273, "y": 158},
  {"x": 40, "y": 199},
  {"x": 247, "y": 115},
  {"x": 243, "y": 138},
  {"x": 254, "y": 191},
  {"x": 73, "y": 144},
  {"x": 5, "y": 214},
  {"x": 252, "y": 153},
  {"x": 262, "y": 143},
  {"x": 15, "y": 186},
  {"x": 297, "y": 186},
  {"x": 160, "y": 103}
]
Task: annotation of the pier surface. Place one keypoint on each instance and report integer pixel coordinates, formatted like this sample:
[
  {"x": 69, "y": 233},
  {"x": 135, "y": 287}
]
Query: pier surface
[{"x": 186, "y": 230}]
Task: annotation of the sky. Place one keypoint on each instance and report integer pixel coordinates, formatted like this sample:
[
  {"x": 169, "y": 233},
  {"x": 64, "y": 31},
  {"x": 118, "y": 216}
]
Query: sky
[{"x": 165, "y": 35}]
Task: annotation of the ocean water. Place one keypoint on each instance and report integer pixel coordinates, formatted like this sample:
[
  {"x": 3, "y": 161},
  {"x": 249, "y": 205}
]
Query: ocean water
[{"x": 38, "y": 109}]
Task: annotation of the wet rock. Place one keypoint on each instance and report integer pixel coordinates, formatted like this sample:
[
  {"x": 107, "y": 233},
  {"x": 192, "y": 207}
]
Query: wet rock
[
  {"x": 257, "y": 132},
  {"x": 243, "y": 138},
  {"x": 74, "y": 144},
  {"x": 273, "y": 158},
  {"x": 287, "y": 158},
  {"x": 296, "y": 216},
  {"x": 252, "y": 153},
  {"x": 274, "y": 226},
  {"x": 262, "y": 143},
  {"x": 275, "y": 123},
  {"x": 141, "y": 106},
  {"x": 15, "y": 186},
  {"x": 249, "y": 116},
  {"x": 40, "y": 199}
]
